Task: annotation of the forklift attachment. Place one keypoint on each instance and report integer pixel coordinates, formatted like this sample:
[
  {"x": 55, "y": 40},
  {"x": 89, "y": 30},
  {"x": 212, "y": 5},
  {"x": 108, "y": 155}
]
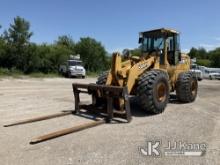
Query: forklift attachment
[
  {"x": 116, "y": 104},
  {"x": 39, "y": 118},
  {"x": 108, "y": 96},
  {"x": 67, "y": 131}
]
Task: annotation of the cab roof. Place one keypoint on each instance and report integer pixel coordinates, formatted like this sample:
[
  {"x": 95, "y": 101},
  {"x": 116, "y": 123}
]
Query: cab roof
[{"x": 160, "y": 32}]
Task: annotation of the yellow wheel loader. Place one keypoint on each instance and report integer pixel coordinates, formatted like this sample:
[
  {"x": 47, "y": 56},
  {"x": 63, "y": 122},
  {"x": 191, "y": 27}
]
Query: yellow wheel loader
[{"x": 160, "y": 69}]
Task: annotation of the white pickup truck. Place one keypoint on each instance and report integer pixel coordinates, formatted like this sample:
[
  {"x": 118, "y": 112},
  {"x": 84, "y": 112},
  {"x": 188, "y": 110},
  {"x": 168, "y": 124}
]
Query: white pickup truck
[{"x": 73, "y": 68}]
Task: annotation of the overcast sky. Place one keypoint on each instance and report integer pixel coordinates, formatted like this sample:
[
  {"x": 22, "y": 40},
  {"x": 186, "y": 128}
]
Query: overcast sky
[{"x": 116, "y": 23}]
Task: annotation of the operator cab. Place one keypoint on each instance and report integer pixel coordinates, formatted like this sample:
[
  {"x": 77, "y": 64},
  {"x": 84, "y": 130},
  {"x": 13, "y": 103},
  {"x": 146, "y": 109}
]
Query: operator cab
[{"x": 160, "y": 39}]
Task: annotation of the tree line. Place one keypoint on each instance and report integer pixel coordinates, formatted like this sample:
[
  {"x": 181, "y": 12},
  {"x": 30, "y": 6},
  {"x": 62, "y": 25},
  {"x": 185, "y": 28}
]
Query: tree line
[
  {"x": 203, "y": 57},
  {"x": 206, "y": 58},
  {"x": 19, "y": 53}
]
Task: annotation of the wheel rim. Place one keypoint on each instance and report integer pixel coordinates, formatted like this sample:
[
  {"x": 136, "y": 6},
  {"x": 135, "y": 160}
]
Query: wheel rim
[
  {"x": 161, "y": 92},
  {"x": 193, "y": 87}
]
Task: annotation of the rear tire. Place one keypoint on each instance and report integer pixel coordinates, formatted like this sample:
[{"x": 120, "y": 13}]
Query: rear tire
[
  {"x": 153, "y": 91},
  {"x": 69, "y": 75},
  {"x": 186, "y": 87}
]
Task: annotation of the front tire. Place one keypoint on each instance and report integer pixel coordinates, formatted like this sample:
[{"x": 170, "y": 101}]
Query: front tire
[
  {"x": 153, "y": 91},
  {"x": 186, "y": 87},
  {"x": 102, "y": 78}
]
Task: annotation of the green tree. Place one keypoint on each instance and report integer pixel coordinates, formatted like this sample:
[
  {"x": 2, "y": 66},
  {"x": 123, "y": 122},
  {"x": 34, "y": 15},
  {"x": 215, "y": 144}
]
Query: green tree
[
  {"x": 66, "y": 41},
  {"x": 193, "y": 52},
  {"x": 93, "y": 54},
  {"x": 202, "y": 53},
  {"x": 215, "y": 57},
  {"x": 16, "y": 51},
  {"x": 43, "y": 58},
  {"x": 136, "y": 52},
  {"x": 17, "y": 38},
  {"x": 62, "y": 49},
  {"x": 59, "y": 55},
  {"x": 3, "y": 48},
  {"x": 204, "y": 62},
  {"x": 199, "y": 53}
]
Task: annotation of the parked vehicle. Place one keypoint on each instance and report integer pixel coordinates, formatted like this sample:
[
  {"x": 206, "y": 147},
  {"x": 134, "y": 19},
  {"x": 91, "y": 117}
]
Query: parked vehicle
[
  {"x": 196, "y": 70},
  {"x": 213, "y": 75},
  {"x": 210, "y": 73},
  {"x": 73, "y": 68}
]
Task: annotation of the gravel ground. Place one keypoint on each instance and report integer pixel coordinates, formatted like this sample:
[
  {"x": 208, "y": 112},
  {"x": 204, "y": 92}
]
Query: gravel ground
[{"x": 197, "y": 122}]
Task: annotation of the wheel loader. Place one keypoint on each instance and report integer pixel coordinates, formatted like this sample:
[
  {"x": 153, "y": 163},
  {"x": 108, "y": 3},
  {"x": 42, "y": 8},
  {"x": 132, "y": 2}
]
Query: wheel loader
[
  {"x": 151, "y": 77},
  {"x": 159, "y": 70}
]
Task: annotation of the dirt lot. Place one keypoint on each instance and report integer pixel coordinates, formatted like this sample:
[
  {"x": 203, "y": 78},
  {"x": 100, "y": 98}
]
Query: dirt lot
[{"x": 198, "y": 122}]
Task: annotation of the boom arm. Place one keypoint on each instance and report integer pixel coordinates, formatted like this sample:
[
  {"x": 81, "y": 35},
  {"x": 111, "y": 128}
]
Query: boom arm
[{"x": 125, "y": 73}]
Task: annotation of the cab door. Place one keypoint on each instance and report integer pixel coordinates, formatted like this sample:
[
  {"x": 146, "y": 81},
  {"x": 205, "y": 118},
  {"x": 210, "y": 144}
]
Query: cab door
[{"x": 173, "y": 52}]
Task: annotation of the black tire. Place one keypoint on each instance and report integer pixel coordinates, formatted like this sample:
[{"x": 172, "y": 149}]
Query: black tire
[
  {"x": 69, "y": 75},
  {"x": 101, "y": 81},
  {"x": 102, "y": 78},
  {"x": 153, "y": 98},
  {"x": 186, "y": 87}
]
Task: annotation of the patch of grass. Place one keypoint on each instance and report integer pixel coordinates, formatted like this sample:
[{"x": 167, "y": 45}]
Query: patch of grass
[
  {"x": 204, "y": 62},
  {"x": 92, "y": 74},
  {"x": 4, "y": 72},
  {"x": 44, "y": 75}
]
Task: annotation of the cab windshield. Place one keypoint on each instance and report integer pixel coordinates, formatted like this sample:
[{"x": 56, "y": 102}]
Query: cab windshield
[
  {"x": 74, "y": 63},
  {"x": 152, "y": 43}
]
